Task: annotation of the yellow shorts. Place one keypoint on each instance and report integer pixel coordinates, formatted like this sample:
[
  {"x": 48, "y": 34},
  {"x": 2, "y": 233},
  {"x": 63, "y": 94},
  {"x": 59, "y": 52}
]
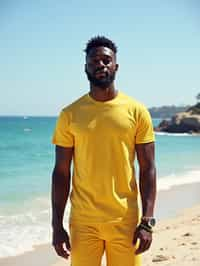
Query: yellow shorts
[{"x": 88, "y": 243}]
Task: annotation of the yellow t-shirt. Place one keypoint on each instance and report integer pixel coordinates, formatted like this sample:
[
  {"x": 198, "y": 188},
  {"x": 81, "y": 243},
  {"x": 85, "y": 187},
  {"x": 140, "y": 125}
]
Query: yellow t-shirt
[{"x": 103, "y": 135}]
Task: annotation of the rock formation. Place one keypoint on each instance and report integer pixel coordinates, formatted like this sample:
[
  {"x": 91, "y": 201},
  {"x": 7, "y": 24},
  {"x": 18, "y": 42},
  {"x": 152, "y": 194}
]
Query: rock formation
[{"x": 184, "y": 122}]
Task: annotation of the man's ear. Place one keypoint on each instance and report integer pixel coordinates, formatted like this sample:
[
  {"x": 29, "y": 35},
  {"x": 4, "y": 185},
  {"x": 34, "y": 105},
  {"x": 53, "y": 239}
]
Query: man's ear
[
  {"x": 85, "y": 67},
  {"x": 116, "y": 67}
]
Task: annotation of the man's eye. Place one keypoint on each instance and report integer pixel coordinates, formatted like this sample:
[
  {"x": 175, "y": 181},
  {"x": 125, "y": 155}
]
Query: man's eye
[{"x": 106, "y": 61}]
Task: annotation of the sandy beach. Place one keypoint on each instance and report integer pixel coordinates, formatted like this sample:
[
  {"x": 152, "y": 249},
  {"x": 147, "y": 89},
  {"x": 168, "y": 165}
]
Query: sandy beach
[{"x": 176, "y": 239}]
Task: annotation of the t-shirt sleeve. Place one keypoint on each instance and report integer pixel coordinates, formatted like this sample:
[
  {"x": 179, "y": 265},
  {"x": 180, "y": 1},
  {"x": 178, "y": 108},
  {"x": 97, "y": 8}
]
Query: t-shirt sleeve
[
  {"x": 62, "y": 135},
  {"x": 144, "y": 132}
]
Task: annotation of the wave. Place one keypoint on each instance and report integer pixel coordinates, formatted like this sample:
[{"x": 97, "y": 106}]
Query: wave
[
  {"x": 27, "y": 229},
  {"x": 30, "y": 229},
  {"x": 167, "y": 182},
  {"x": 173, "y": 134}
]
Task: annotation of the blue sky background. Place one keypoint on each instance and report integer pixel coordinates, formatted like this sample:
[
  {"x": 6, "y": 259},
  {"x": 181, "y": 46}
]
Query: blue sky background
[{"x": 42, "y": 58}]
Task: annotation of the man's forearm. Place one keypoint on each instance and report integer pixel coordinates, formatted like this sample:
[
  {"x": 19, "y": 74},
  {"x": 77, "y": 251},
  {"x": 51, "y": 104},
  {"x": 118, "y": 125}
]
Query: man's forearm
[
  {"x": 147, "y": 185},
  {"x": 60, "y": 193}
]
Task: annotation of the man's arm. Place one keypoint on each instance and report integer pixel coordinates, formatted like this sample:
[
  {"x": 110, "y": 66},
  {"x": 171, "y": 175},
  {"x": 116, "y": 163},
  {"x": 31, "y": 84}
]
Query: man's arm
[
  {"x": 147, "y": 177},
  {"x": 60, "y": 191},
  {"x": 147, "y": 183}
]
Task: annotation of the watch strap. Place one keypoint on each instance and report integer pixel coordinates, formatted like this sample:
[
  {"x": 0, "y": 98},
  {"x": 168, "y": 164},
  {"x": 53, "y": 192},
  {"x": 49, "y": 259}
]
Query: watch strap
[{"x": 146, "y": 228}]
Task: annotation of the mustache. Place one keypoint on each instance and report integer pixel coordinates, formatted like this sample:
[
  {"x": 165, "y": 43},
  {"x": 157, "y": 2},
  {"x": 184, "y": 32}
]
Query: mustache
[
  {"x": 104, "y": 83},
  {"x": 100, "y": 70}
]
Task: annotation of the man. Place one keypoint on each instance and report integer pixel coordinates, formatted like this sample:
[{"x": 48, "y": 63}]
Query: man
[{"x": 102, "y": 131}]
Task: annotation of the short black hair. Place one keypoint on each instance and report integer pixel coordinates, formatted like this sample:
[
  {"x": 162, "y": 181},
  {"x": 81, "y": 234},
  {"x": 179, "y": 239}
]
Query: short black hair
[{"x": 100, "y": 41}]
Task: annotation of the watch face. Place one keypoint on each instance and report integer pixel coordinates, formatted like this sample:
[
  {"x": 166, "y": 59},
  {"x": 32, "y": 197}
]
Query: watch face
[{"x": 152, "y": 222}]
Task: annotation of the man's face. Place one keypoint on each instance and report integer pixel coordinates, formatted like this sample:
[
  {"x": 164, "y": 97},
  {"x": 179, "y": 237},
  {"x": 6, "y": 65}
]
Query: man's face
[{"x": 101, "y": 67}]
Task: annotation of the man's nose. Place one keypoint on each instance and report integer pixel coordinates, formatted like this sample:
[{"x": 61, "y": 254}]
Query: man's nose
[
  {"x": 100, "y": 63},
  {"x": 100, "y": 66}
]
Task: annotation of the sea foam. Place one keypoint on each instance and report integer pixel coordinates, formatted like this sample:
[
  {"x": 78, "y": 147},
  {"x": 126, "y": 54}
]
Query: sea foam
[
  {"x": 21, "y": 231},
  {"x": 190, "y": 177}
]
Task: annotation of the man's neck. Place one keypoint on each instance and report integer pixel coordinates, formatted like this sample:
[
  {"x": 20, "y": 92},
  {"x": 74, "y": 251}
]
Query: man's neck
[{"x": 103, "y": 95}]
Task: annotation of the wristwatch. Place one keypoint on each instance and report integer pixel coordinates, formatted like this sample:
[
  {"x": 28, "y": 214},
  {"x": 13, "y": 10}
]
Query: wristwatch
[{"x": 148, "y": 221}]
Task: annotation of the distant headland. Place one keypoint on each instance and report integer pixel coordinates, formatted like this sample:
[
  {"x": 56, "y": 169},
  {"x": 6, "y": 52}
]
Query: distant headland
[
  {"x": 187, "y": 121},
  {"x": 167, "y": 111}
]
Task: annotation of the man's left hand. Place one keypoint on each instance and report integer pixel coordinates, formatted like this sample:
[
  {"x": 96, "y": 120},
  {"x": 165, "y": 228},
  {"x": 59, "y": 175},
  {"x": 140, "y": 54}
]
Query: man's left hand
[{"x": 145, "y": 239}]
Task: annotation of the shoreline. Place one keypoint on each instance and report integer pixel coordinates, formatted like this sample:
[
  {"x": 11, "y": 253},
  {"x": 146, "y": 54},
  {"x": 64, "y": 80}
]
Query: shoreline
[
  {"x": 173, "y": 201},
  {"x": 176, "y": 133},
  {"x": 173, "y": 207}
]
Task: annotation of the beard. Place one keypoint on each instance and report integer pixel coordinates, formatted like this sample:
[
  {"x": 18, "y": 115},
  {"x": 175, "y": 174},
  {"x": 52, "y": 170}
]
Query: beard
[{"x": 102, "y": 83}]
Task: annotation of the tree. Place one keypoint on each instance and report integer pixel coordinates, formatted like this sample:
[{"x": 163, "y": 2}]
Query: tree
[{"x": 198, "y": 97}]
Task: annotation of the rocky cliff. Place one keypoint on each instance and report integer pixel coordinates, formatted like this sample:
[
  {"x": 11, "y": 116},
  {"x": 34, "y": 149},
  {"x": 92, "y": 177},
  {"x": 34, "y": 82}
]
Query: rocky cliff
[{"x": 183, "y": 122}]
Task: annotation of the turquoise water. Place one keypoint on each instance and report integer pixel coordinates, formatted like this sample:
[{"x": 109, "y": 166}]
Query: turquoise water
[
  {"x": 26, "y": 157},
  {"x": 176, "y": 153},
  {"x": 26, "y": 162}
]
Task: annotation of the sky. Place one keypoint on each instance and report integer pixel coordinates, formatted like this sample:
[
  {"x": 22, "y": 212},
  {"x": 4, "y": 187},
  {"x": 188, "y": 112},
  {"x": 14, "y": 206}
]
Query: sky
[{"x": 42, "y": 58}]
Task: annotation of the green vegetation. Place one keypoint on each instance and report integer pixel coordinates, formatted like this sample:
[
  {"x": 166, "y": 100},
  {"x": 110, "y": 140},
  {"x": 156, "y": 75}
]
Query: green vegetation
[
  {"x": 198, "y": 97},
  {"x": 195, "y": 110}
]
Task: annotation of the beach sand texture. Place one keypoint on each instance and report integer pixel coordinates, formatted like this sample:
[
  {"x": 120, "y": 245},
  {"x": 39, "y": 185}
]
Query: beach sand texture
[{"x": 176, "y": 242}]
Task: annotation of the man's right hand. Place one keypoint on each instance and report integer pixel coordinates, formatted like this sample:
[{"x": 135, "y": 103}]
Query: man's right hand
[{"x": 61, "y": 243}]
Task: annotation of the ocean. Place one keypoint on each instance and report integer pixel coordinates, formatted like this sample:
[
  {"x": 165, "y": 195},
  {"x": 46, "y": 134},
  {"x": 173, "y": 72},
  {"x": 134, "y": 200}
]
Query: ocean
[{"x": 26, "y": 163}]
